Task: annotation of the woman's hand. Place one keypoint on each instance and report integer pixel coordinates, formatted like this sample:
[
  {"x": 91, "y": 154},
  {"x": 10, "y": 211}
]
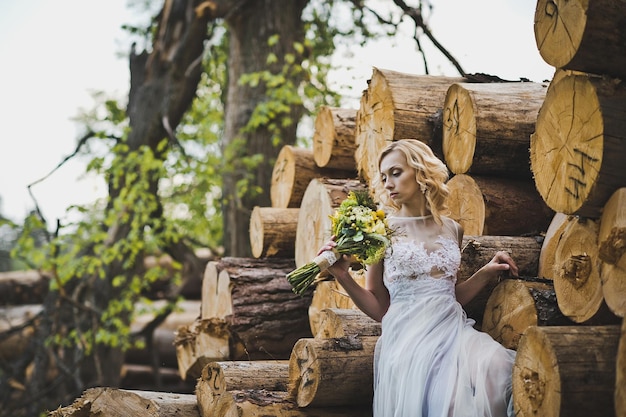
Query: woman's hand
[
  {"x": 499, "y": 265},
  {"x": 342, "y": 264}
]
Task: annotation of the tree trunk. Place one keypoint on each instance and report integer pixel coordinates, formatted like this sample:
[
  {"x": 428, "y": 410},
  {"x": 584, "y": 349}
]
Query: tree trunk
[
  {"x": 333, "y": 138},
  {"x": 487, "y": 127},
  {"x": 321, "y": 198},
  {"x": 612, "y": 252},
  {"x": 577, "y": 151},
  {"x": 255, "y": 299},
  {"x": 398, "y": 106},
  {"x": 112, "y": 402},
  {"x": 515, "y": 305},
  {"x": 582, "y": 35},
  {"x": 497, "y": 206},
  {"x": 273, "y": 232},
  {"x": 332, "y": 372},
  {"x": 251, "y": 25},
  {"x": 293, "y": 171},
  {"x": 478, "y": 250},
  {"x": 566, "y": 371}
]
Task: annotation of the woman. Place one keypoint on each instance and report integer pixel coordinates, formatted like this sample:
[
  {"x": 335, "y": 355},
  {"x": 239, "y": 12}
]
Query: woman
[{"x": 429, "y": 360}]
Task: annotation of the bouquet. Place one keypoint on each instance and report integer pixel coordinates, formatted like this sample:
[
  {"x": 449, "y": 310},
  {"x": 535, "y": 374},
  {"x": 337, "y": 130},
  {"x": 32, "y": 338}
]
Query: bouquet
[{"x": 360, "y": 230}]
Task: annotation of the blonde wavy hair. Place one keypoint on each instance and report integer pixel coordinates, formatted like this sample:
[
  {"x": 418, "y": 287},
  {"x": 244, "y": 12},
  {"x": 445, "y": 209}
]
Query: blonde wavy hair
[{"x": 430, "y": 173}]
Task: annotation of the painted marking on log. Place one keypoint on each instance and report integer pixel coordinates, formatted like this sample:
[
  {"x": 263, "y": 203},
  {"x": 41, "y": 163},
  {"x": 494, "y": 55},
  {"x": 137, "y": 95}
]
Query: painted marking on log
[
  {"x": 451, "y": 118},
  {"x": 578, "y": 181}
]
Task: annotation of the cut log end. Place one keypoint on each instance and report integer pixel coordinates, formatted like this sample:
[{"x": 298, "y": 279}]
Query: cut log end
[
  {"x": 558, "y": 39},
  {"x": 459, "y": 130},
  {"x": 577, "y": 159},
  {"x": 577, "y": 276}
]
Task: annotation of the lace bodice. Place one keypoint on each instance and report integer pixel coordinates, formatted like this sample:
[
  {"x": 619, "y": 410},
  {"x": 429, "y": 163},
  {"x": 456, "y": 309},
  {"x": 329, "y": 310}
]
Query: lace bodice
[{"x": 410, "y": 259}]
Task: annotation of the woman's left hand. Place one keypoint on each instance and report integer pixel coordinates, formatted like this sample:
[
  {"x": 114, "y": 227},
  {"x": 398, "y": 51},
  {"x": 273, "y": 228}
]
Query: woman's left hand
[{"x": 499, "y": 264}]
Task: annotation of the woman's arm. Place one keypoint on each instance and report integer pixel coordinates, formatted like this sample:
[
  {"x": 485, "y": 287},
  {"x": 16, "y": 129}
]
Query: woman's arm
[
  {"x": 469, "y": 288},
  {"x": 373, "y": 299}
]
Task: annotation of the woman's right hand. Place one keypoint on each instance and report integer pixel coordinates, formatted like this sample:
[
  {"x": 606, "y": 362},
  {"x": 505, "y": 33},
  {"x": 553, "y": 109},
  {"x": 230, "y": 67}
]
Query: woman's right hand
[{"x": 342, "y": 264}]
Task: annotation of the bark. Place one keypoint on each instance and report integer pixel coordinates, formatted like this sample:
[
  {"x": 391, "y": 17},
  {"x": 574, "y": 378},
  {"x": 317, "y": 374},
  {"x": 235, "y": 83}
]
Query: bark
[
  {"x": 566, "y": 371},
  {"x": 250, "y": 27},
  {"x": 334, "y": 138},
  {"x": 487, "y": 127},
  {"x": 582, "y": 35},
  {"x": 578, "y": 148}
]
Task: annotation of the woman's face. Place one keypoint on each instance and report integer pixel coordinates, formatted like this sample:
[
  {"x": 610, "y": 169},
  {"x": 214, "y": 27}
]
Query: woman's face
[{"x": 399, "y": 179}]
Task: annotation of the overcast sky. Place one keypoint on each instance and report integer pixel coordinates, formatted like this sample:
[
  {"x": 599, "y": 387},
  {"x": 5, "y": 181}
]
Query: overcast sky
[{"x": 54, "y": 53}]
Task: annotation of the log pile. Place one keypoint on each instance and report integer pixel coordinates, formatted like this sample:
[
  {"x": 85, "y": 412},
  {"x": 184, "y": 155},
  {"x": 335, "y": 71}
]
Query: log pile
[
  {"x": 537, "y": 170},
  {"x": 248, "y": 311}
]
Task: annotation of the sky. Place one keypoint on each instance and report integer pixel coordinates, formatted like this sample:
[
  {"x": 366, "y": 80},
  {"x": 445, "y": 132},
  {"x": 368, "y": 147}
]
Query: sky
[{"x": 56, "y": 53}]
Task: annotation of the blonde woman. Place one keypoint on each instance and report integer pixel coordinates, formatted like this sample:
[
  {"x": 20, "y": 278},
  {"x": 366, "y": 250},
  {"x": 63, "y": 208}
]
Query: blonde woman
[{"x": 429, "y": 360}]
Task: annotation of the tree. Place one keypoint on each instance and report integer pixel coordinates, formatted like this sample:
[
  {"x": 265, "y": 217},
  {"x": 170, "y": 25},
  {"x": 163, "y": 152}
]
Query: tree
[{"x": 220, "y": 90}]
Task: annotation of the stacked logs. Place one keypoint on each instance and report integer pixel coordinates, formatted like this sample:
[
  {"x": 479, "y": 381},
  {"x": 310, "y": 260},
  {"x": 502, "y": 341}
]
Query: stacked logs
[
  {"x": 576, "y": 157},
  {"x": 488, "y": 199},
  {"x": 527, "y": 176}
]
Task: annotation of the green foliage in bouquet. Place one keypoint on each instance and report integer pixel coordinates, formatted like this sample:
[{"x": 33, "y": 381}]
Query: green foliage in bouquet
[{"x": 360, "y": 230}]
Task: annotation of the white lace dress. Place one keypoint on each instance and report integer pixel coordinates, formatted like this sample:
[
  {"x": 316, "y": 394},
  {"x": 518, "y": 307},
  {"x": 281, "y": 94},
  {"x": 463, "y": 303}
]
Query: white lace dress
[{"x": 429, "y": 360}]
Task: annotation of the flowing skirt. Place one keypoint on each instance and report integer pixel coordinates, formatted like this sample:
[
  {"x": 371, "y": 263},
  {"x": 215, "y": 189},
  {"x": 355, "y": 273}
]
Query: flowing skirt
[{"x": 430, "y": 361}]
